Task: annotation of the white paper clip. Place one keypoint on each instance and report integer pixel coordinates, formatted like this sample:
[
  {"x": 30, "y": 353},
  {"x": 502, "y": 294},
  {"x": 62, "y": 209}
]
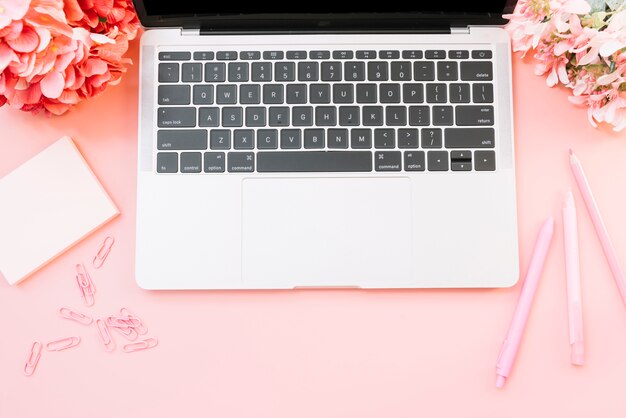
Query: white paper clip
[
  {"x": 85, "y": 285},
  {"x": 136, "y": 322},
  {"x": 105, "y": 335},
  {"x": 140, "y": 345},
  {"x": 63, "y": 344},
  {"x": 33, "y": 358},
  {"x": 67, "y": 313},
  {"x": 103, "y": 252}
]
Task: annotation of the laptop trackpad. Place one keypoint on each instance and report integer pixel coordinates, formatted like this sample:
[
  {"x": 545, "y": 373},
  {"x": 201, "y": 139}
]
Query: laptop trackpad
[{"x": 326, "y": 232}]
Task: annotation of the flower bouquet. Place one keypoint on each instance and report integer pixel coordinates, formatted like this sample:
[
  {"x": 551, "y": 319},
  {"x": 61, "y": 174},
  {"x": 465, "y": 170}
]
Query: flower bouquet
[
  {"x": 581, "y": 45},
  {"x": 55, "y": 53}
]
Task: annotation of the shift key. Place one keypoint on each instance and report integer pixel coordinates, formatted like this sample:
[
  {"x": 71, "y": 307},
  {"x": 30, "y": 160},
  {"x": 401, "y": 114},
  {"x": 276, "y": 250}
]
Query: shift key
[
  {"x": 469, "y": 137},
  {"x": 182, "y": 139}
]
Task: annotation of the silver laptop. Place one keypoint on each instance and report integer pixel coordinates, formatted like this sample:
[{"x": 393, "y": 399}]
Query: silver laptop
[{"x": 283, "y": 148}]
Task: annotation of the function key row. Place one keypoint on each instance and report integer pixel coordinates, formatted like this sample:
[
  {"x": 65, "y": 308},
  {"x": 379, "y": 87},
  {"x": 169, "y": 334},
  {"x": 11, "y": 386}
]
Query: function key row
[{"x": 319, "y": 55}]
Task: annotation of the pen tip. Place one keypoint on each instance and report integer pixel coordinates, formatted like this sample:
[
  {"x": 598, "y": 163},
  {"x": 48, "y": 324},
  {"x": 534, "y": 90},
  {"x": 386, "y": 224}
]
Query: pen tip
[
  {"x": 500, "y": 381},
  {"x": 571, "y": 152}
]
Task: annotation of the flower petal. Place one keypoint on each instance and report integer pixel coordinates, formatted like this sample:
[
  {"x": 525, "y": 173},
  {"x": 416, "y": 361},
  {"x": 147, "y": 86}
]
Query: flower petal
[
  {"x": 72, "y": 10},
  {"x": 26, "y": 42},
  {"x": 52, "y": 85},
  {"x": 95, "y": 66},
  {"x": 608, "y": 48},
  {"x": 579, "y": 7},
  {"x": 103, "y": 7},
  {"x": 7, "y": 55}
]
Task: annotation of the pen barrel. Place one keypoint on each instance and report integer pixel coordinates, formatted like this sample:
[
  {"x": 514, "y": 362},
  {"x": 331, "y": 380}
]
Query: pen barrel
[
  {"x": 510, "y": 346},
  {"x": 572, "y": 270}
]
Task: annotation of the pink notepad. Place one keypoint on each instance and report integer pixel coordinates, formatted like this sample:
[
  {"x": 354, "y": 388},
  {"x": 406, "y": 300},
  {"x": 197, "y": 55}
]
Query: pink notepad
[{"x": 47, "y": 205}]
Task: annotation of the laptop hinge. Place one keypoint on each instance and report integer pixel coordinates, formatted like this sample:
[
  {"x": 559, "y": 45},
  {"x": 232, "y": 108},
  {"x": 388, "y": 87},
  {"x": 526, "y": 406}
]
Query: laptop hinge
[
  {"x": 460, "y": 30},
  {"x": 190, "y": 32}
]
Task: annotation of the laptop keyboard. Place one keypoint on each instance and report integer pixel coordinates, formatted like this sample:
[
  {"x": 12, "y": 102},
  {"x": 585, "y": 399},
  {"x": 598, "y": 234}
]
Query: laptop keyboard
[{"x": 325, "y": 111}]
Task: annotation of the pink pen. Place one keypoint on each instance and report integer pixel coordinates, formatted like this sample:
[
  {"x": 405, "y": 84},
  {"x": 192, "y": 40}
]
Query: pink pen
[
  {"x": 572, "y": 270},
  {"x": 598, "y": 223},
  {"x": 516, "y": 329}
]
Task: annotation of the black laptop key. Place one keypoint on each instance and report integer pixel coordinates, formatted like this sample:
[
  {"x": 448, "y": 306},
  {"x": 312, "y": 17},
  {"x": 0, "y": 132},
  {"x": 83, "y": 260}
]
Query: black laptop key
[
  {"x": 273, "y": 94},
  {"x": 459, "y": 93},
  {"x": 408, "y": 138},
  {"x": 436, "y": 93},
  {"x": 209, "y": 116},
  {"x": 174, "y": 94},
  {"x": 354, "y": 71},
  {"x": 214, "y": 162},
  {"x": 481, "y": 54},
  {"x": 343, "y": 93},
  {"x": 182, "y": 139},
  {"x": 285, "y": 71},
  {"x": 256, "y": 116},
  {"x": 214, "y": 72},
  {"x": 220, "y": 139},
  {"x": 167, "y": 162},
  {"x": 290, "y": 139},
  {"x": 250, "y": 94},
  {"x": 476, "y": 71},
  {"x": 474, "y": 115},
  {"x": 190, "y": 162},
  {"x": 419, "y": 115},
  {"x": 432, "y": 138},
  {"x": 442, "y": 115},
  {"x": 343, "y": 55},
  {"x": 438, "y": 161},
  {"x": 424, "y": 71},
  {"x": 401, "y": 71},
  {"x": 377, "y": 71},
  {"x": 388, "y": 160},
  {"x": 326, "y": 116},
  {"x": 226, "y": 55},
  {"x": 366, "y": 55},
  {"x": 296, "y": 55},
  {"x": 458, "y": 54},
  {"x": 389, "y": 93},
  {"x": 389, "y": 55},
  {"x": 249, "y": 55},
  {"x": 461, "y": 160},
  {"x": 372, "y": 115},
  {"x": 349, "y": 115},
  {"x": 243, "y": 139},
  {"x": 435, "y": 54},
  {"x": 169, "y": 72},
  {"x": 413, "y": 93},
  {"x": 232, "y": 117},
  {"x": 469, "y": 137},
  {"x": 302, "y": 116},
  {"x": 202, "y": 94},
  {"x": 482, "y": 92},
  {"x": 174, "y": 56},
  {"x": 240, "y": 162},
  {"x": 176, "y": 117},
  {"x": 273, "y": 55},
  {"x": 192, "y": 72},
  {"x": 366, "y": 93},
  {"x": 226, "y": 94},
  {"x": 296, "y": 94},
  {"x": 485, "y": 160},
  {"x": 314, "y": 161},
  {"x": 308, "y": 71},
  {"x": 261, "y": 71},
  {"x": 414, "y": 161},
  {"x": 412, "y": 55},
  {"x": 203, "y": 55},
  {"x": 319, "y": 93},
  {"x": 238, "y": 71},
  {"x": 395, "y": 115},
  {"x": 384, "y": 138},
  {"x": 337, "y": 138},
  {"x": 319, "y": 55},
  {"x": 447, "y": 71},
  {"x": 279, "y": 116},
  {"x": 361, "y": 138},
  {"x": 314, "y": 138},
  {"x": 331, "y": 71},
  {"x": 267, "y": 139}
]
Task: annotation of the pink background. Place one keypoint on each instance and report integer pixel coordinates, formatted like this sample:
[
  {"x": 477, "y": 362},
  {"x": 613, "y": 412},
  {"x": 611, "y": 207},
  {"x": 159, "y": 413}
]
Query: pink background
[{"x": 322, "y": 353}]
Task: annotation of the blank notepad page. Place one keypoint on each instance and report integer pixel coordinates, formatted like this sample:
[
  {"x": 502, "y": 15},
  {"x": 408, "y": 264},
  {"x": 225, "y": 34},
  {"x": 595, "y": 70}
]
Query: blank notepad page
[{"x": 47, "y": 205}]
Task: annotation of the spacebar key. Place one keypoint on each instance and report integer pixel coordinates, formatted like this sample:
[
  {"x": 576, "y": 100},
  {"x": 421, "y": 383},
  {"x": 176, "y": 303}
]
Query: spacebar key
[{"x": 313, "y": 161}]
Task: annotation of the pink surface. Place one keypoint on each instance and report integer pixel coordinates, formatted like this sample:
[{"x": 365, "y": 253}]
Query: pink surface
[{"x": 323, "y": 353}]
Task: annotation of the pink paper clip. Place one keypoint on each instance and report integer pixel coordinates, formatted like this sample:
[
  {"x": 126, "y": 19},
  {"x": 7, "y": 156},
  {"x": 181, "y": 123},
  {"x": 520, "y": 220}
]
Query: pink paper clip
[
  {"x": 63, "y": 344},
  {"x": 103, "y": 252},
  {"x": 135, "y": 320},
  {"x": 105, "y": 335},
  {"x": 128, "y": 333},
  {"x": 140, "y": 345},
  {"x": 33, "y": 358},
  {"x": 67, "y": 313},
  {"x": 85, "y": 285}
]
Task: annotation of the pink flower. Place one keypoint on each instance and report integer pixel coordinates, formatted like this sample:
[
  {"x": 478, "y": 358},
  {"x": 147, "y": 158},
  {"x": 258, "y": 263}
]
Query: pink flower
[{"x": 11, "y": 10}]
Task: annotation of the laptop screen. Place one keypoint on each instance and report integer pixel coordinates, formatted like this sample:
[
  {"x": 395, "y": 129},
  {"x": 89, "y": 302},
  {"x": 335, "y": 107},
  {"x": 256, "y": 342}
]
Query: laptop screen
[{"x": 319, "y": 15}]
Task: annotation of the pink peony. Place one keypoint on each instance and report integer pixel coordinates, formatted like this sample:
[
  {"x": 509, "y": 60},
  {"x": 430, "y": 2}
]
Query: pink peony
[
  {"x": 583, "y": 51},
  {"x": 55, "y": 53}
]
